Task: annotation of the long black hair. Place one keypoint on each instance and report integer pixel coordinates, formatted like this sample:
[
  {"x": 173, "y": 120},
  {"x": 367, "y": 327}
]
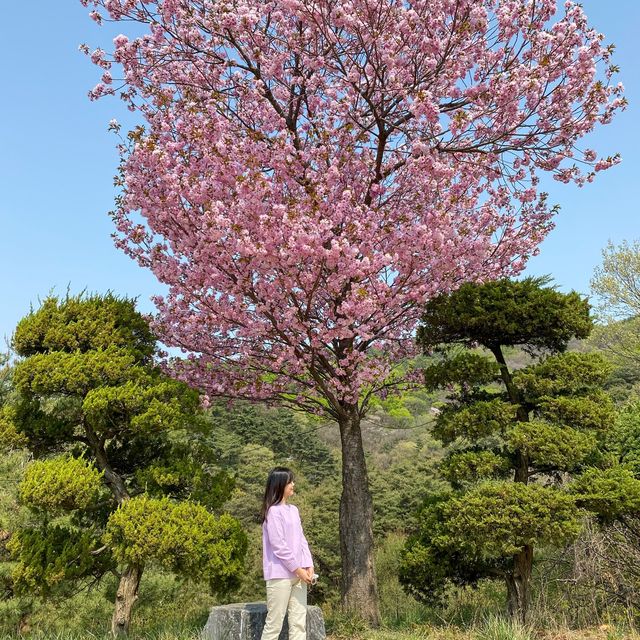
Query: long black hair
[{"x": 278, "y": 479}]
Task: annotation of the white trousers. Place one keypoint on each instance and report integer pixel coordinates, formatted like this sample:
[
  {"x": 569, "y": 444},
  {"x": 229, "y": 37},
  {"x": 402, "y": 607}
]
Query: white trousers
[{"x": 286, "y": 596}]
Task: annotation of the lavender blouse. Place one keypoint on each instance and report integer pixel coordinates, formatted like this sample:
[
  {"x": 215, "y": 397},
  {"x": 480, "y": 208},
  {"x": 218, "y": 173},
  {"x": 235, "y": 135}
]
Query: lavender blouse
[{"x": 284, "y": 547}]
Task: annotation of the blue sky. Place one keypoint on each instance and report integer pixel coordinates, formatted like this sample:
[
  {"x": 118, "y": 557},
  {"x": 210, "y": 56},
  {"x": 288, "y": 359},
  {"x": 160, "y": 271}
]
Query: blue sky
[{"x": 58, "y": 163}]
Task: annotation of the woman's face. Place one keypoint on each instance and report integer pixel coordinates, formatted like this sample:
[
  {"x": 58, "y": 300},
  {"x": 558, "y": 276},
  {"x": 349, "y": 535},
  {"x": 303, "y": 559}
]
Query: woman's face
[{"x": 288, "y": 490}]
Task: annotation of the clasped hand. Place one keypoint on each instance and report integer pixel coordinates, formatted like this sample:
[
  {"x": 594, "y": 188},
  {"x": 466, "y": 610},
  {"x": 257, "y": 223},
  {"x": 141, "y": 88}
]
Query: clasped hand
[{"x": 305, "y": 574}]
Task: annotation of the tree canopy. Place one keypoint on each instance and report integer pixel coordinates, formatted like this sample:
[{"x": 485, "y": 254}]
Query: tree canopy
[
  {"x": 616, "y": 283},
  {"x": 514, "y": 437},
  {"x": 120, "y": 477}
]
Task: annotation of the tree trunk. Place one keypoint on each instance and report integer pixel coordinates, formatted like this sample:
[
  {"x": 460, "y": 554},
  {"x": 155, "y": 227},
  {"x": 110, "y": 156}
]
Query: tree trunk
[
  {"x": 126, "y": 597},
  {"x": 519, "y": 585},
  {"x": 359, "y": 590},
  {"x": 519, "y": 580},
  {"x": 113, "y": 481}
]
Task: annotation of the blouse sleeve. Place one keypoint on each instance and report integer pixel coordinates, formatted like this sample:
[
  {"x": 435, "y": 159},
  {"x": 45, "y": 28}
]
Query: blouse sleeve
[
  {"x": 307, "y": 560},
  {"x": 276, "y": 533}
]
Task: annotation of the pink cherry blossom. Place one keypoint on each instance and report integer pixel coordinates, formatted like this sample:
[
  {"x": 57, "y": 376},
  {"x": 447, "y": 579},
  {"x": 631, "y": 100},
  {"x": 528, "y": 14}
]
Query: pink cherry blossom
[{"x": 310, "y": 172}]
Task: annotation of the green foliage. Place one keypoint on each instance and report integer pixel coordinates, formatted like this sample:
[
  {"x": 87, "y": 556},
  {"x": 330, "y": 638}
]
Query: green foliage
[
  {"x": 426, "y": 569},
  {"x": 550, "y": 446},
  {"x": 6, "y": 372},
  {"x": 12, "y": 466},
  {"x": 565, "y": 374},
  {"x": 167, "y": 609},
  {"x": 61, "y": 484},
  {"x": 593, "y": 411},
  {"x": 466, "y": 536},
  {"x": 319, "y": 509},
  {"x": 12, "y": 516},
  {"x": 76, "y": 373},
  {"x": 84, "y": 323},
  {"x": 620, "y": 341},
  {"x": 504, "y": 517},
  {"x": 466, "y": 368},
  {"x": 477, "y": 420},
  {"x": 627, "y": 437},
  {"x": 254, "y": 464},
  {"x": 400, "y": 481},
  {"x": 50, "y": 557},
  {"x": 182, "y": 537},
  {"x": 186, "y": 478},
  {"x": 513, "y": 435},
  {"x": 37, "y": 428},
  {"x": 617, "y": 281},
  {"x": 609, "y": 493},
  {"x": 624, "y": 382},
  {"x": 466, "y": 467},
  {"x": 91, "y": 385},
  {"x": 95, "y": 371},
  {"x": 108, "y": 424},
  {"x": 506, "y": 312},
  {"x": 347, "y": 626},
  {"x": 281, "y": 431},
  {"x": 397, "y": 608},
  {"x": 154, "y": 402},
  {"x": 394, "y": 407},
  {"x": 10, "y": 437}
]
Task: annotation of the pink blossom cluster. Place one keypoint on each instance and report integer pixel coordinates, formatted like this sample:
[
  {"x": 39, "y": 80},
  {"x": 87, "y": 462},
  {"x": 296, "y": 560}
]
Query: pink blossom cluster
[{"x": 310, "y": 172}]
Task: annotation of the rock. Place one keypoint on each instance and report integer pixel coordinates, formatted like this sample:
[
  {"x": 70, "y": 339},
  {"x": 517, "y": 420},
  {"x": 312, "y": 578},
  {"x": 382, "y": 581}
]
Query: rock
[{"x": 245, "y": 620}]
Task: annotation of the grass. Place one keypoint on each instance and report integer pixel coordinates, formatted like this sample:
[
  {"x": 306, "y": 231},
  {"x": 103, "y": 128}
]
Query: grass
[
  {"x": 174, "y": 610},
  {"x": 499, "y": 628},
  {"x": 492, "y": 628}
]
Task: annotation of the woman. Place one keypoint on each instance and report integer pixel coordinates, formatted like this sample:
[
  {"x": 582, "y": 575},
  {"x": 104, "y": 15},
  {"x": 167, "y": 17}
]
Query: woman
[{"x": 286, "y": 559}]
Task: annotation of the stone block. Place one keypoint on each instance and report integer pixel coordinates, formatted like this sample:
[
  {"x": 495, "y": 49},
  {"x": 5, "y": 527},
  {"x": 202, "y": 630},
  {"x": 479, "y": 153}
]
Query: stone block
[{"x": 245, "y": 620}]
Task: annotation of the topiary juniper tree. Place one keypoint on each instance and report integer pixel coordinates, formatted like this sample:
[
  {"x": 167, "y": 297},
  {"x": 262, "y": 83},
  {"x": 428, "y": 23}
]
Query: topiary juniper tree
[
  {"x": 117, "y": 482},
  {"x": 515, "y": 437}
]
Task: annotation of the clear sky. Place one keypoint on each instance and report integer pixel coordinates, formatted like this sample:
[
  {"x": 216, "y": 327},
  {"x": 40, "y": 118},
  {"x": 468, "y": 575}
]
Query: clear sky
[{"x": 58, "y": 163}]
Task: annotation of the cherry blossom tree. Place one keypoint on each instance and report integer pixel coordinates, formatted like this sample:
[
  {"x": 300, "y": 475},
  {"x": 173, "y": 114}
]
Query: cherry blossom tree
[{"x": 310, "y": 172}]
